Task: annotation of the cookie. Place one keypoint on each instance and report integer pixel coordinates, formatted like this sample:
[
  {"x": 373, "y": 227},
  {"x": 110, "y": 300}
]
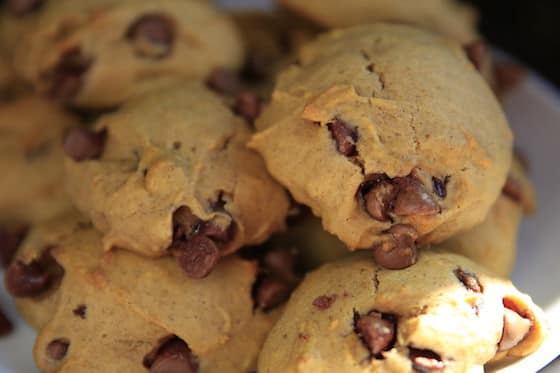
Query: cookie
[
  {"x": 448, "y": 17},
  {"x": 174, "y": 161},
  {"x": 99, "y": 53},
  {"x": 390, "y": 135},
  {"x": 443, "y": 314},
  {"x": 32, "y": 158},
  {"x": 493, "y": 243},
  {"x": 122, "y": 312}
]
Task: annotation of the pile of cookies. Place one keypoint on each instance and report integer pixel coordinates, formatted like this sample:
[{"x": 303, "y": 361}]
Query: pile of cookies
[{"x": 307, "y": 190}]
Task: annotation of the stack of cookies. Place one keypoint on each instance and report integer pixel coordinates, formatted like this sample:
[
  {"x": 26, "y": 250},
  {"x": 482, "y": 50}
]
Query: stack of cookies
[{"x": 311, "y": 190}]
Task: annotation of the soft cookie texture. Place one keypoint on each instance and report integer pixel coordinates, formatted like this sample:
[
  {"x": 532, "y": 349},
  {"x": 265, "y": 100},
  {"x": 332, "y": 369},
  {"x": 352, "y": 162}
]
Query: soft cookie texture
[
  {"x": 108, "y": 313},
  {"x": 493, "y": 243},
  {"x": 31, "y": 157},
  {"x": 174, "y": 172},
  {"x": 448, "y": 17},
  {"x": 99, "y": 53},
  {"x": 444, "y": 314},
  {"x": 390, "y": 135}
]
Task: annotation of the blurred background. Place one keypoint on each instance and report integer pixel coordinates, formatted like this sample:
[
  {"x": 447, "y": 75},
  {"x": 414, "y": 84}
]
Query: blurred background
[{"x": 529, "y": 30}]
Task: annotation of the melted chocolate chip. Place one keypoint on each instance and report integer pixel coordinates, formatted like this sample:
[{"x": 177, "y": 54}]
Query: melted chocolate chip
[
  {"x": 80, "y": 311},
  {"x": 425, "y": 361},
  {"x": 33, "y": 279},
  {"x": 398, "y": 251},
  {"x": 224, "y": 81},
  {"x": 377, "y": 331},
  {"x": 68, "y": 75},
  {"x": 172, "y": 356},
  {"x": 440, "y": 186},
  {"x": 6, "y": 325},
  {"x": 323, "y": 302},
  {"x": 379, "y": 199},
  {"x": 477, "y": 53},
  {"x": 152, "y": 35},
  {"x": 248, "y": 105},
  {"x": 513, "y": 189},
  {"x": 197, "y": 257},
  {"x": 469, "y": 280},
  {"x": 344, "y": 137},
  {"x": 23, "y": 7},
  {"x": 413, "y": 199},
  {"x": 271, "y": 291},
  {"x": 9, "y": 242},
  {"x": 57, "y": 349},
  {"x": 83, "y": 144}
]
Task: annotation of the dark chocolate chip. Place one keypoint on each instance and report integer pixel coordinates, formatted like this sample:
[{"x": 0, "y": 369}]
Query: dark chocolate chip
[
  {"x": 68, "y": 75},
  {"x": 80, "y": 311},
  {"x": 477, "y": 53},
  {"x": 23, "y": 7},
  {"x": 398, "y": 251},
  {"x": 57, "y": 349},
  {"x": 248, "y": 105},
  {"x": 33, "y": 279},
  {"x": 513, "y": 189},
  {"x": 82, "y": 144},
  {"x": 9, "y": 242},
  {"x": 378, "y": 201},
  {"x": 185, "y": 224},
  {"x": 425, "y": 361},
  {"x": 469, "y": 280},
  {"x": 6, "y": 325},
  {"x": 377, "y": 331},
  {"x": 173, "y": 356},
  {"x": 344, "y": 137},
  {"x": 440, "y": 186},
  {"x": 271, "y": 291},
  {"x": 323, "y": 302},
  {"x": 224, "y": 82},
  {"x": 152, "y": 35},
  {"x": 197, "y": 256},
  {"x": 413, "y": 198}
]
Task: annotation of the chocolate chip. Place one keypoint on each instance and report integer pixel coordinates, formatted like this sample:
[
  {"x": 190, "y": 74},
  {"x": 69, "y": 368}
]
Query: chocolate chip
[
  {"x": 516, "y": 326},
  {"x": 271, "y": 291},
  {"x": 83, "y": 144},
  {"x": 281, "y": 262},
  {"x": 6, "y": 325},
  {"x": 323, "y": 302},
  {"x": 377, "y": 331},
  {"x": 224, "y": 82},
  {"x": 217, "y": 233},
  {"x": 33, "y": 279},
  {"x": 57, "y": 349},
  {"x": 469, "y": 280},
  {"x": 248, "y": 105},
  {"x": 425, "y": 361},
  {"x": 413, "y": 198},
  {"x": 513, "y": 189},
  {"x": 23, "y": 7},
  {"x": 197, "y": 256},
  {"x": 9, "y": 242},
  {"x": 185, "y": 224},
  {"x": 173, "y": 356},
  {"x": 344, "y": 137},
  {"x": 398, "y": 251},
  {"x": 80, "y": 311},
  {"x": 152, "y": 35},
  {"x": 68, "y": 75},
  {"x": 379, "y": 199},
  {"x": 477, "y": 53},
  {"x": 440, "y": 186}
]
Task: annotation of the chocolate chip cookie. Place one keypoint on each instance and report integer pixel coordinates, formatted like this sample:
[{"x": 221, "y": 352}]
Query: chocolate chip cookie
[
  {"x": 31, "y": 158},
  {"x": 390, "y": 135},
  {"x": 493, "y": 243},
  {"x": 443, "y": 314},
  {"x": 122, "y": 312},
  {"x": 449, "y": 17},
  {"x": 170, "y": 174},
  {"x": 98, "y": 53}
]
